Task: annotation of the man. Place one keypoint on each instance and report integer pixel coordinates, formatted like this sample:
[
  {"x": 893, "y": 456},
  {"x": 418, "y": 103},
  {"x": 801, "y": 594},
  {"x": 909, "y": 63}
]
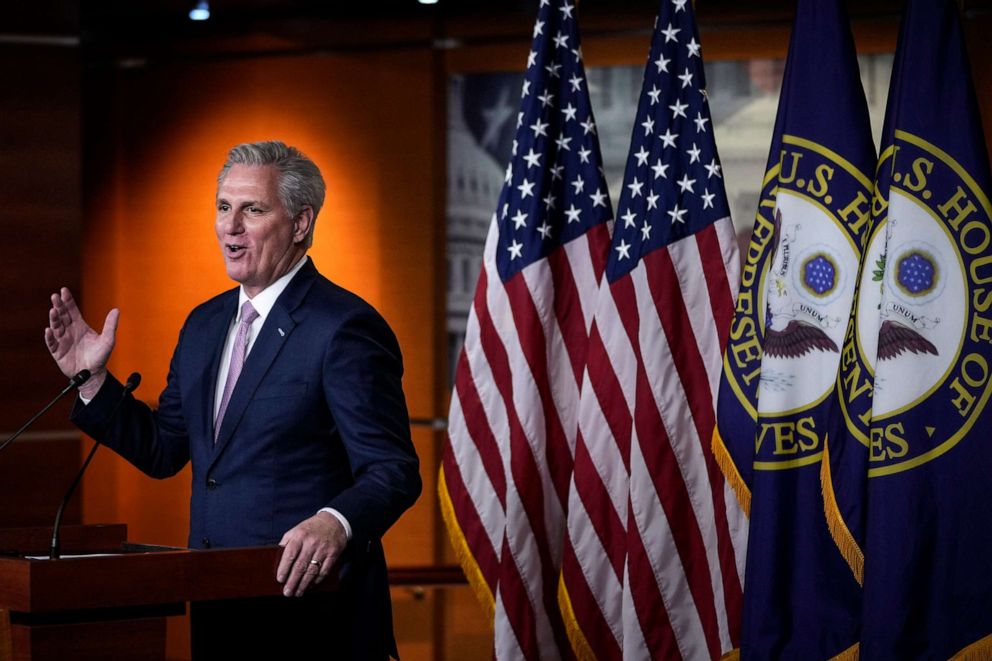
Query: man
[{"x": 285, "y": 395}]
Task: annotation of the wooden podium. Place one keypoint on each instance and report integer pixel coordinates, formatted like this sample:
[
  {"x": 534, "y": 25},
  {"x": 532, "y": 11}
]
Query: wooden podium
[{"x": 108, "y": 599}]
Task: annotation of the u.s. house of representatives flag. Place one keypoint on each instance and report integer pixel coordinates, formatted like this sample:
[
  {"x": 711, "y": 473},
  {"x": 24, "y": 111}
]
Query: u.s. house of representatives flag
[
  {"x": 654, "y": 549},
  {"x": 927, "y": 574},
  {"x": 801, "y": 600},
  {"x": 506, "y": 469}
]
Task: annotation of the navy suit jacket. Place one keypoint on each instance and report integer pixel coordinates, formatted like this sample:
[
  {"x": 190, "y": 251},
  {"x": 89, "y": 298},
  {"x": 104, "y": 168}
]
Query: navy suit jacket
[{"x": 317, "y": 419}]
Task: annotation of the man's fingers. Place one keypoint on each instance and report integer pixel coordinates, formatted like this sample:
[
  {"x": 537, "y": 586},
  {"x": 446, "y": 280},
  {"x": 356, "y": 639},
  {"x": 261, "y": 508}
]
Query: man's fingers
[
  {"x": 55, "y": 320},
  {"x": 109, "y": 331},
  {"x": 325, "y": 569},
  {"x": 69, "y": 303},
  {"x": 296, "y": 576},
  {"x": 309, "y": 574},
  {"x": 291, "y": 549}
]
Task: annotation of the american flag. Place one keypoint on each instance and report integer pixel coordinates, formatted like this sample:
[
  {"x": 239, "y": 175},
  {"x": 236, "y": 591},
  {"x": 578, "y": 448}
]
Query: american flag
[
  {"x": 506, "y": 469},
  {"x": 653, "y": 559}
]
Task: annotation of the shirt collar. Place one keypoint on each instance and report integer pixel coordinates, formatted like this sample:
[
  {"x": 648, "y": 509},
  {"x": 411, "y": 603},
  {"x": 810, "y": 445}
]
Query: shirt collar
[{"x": 265, "y": 299}]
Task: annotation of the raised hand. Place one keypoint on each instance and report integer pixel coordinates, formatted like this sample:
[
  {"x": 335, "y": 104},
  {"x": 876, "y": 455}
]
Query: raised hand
[{"x": 75, "y": 346}]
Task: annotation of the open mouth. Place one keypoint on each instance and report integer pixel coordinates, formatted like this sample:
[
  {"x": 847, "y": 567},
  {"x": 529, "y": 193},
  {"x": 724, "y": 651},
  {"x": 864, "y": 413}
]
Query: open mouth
[{"x": 233, "y": 249}]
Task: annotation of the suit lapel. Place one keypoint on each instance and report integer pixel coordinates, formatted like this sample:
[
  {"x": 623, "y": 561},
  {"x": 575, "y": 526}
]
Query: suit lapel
[
  {"x": 271, "y": 338},
  {"x": 212, "y": 348}
]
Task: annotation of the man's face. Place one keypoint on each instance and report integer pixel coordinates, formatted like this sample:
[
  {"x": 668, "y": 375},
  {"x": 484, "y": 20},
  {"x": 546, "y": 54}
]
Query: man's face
[{"x": 258, "y": 237}]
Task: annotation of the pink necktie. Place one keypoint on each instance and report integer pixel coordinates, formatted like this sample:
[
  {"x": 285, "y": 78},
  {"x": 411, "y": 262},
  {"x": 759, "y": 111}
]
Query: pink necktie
[{"x": 248, "y": 315}]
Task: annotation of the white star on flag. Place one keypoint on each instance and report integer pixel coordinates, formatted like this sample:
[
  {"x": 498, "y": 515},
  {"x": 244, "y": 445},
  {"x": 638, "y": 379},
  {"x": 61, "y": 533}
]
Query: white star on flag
[
  {"x": 635, "y": 187},
  {"x": 516, "y": 249},
  {"x": 701, "y": 122},
  {"x": 678, "y": 109},
  {"x": 707, "y": 198},
  {"x": 624, "y": 250}
]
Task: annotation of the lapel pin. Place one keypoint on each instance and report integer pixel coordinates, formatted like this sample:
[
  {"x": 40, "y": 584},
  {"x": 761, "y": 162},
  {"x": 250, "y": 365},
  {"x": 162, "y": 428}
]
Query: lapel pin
[{"x": 282, "y": 333}]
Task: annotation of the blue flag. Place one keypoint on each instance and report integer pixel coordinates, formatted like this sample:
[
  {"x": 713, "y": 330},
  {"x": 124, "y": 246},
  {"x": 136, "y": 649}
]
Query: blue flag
[
  {"x": 801, "y": 599},
  {"x": 927, "y": 574}
]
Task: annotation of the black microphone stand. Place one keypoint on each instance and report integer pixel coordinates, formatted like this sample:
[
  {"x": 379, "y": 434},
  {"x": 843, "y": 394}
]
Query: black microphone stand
[{"x": 132, "y": 384}]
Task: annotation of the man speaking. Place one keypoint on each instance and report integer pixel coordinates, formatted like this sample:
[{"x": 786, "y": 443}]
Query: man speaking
[{"x": 285, "y": 394}]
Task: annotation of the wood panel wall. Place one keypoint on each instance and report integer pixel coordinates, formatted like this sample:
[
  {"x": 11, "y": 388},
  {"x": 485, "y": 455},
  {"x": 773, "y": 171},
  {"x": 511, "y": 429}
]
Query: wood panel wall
[{"x": 39, "y": 251}]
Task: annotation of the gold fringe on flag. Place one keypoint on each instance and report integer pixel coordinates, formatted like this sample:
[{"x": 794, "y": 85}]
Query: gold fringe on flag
[
  {"x": 841, "y": 534},
  {"x": 583, "y": 651},
  {"x": 730, "y": 473},
  {"x": 732, "y": 655},
  {"x": 465, "y": 557},
  {"x": 980, "y": 650},
  {"x": 850, "y": 654}
]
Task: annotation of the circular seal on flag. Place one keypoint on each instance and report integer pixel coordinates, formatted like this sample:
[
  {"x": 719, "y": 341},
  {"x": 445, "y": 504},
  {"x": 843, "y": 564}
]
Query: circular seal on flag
[
  {"x": 809, "y": 298},
  {"x": 932, "y": 325},
  {"x": 921, "y": 318},
  {"x": 821, "y": 212}
]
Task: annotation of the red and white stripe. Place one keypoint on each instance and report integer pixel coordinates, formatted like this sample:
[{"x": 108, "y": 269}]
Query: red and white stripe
[
  {"x": 507, "y": 467},
  {"x": 653, "y": 559}
]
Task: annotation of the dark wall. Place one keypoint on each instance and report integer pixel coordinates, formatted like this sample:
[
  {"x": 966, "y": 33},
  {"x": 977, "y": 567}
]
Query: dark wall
[{"x": 40, "y": 213}]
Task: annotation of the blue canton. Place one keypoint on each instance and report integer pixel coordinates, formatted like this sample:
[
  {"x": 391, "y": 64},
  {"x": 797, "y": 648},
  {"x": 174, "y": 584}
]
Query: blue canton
[
  {"x": 555, "y": 189},
  {"x": 673, "y": 182}
]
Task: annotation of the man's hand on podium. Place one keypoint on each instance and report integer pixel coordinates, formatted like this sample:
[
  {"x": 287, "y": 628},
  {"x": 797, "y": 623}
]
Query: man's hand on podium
[{"x": 309, "y": 553}]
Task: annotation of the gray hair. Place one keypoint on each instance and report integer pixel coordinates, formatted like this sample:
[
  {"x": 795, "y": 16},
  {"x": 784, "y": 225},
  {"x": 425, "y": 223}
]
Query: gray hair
[{"x": 300, "y": 181}]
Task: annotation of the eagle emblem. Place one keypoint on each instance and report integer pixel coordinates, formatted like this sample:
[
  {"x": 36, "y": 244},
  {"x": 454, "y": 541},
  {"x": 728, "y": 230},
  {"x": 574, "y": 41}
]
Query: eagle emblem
[
  {"x": 798, "y": 338},
  {"x": 894, "y": 338}
]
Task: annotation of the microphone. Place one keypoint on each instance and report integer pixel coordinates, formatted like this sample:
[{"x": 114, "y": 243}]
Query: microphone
[
  {"x": 79, "y": 379},
  {"x": 130, "y": 386}
]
